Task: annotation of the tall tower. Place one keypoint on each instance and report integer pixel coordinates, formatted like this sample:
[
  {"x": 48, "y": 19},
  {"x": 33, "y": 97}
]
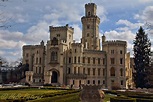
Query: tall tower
[{"x": 90, "y": 28}]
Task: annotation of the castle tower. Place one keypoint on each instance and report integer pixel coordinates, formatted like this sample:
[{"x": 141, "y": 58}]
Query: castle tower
[{"x": 90, "y": 28}]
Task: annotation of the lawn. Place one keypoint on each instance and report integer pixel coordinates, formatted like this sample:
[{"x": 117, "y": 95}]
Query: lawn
[
  {"x": 35, "y": 95},
  {"x": 26, "y": 93}
]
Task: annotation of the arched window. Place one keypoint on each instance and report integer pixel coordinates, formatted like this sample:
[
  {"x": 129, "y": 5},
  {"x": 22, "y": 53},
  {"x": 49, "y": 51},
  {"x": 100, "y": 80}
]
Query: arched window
[
  {"x": 121, "y": 72},
  {"x": 53, "y": 56},
  {"x": 112, "y": 71}
]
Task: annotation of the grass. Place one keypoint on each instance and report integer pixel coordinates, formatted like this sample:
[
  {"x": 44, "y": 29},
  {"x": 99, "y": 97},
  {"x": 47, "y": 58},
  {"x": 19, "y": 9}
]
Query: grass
[{"x": 25, "y": 93}]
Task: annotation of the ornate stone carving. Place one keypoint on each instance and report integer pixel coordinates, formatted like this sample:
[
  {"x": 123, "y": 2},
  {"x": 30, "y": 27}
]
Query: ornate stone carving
[{"x": 91, "y": 93}]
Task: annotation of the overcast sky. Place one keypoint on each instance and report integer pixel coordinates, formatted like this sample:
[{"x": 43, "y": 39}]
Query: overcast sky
[{"x": 30, "y": 21}]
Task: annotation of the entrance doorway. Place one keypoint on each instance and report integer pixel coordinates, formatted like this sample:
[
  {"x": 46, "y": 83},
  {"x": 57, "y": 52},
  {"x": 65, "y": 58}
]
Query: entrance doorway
[{"x": 54, "y": 77}]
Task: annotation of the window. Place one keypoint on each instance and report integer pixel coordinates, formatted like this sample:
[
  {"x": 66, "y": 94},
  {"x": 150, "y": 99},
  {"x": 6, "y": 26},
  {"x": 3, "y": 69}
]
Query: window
[
  {"x": 93, "y": 71},
  {"x": 36, "y": 60},
  {"x": 112, "y": 60},
  {"x": 103, "y": 72},
  {"x": 83, "y": 60},
  {"x": 39, "y": 80},
  {"x": 98, "y": 82},
  {"x": 121, "y": 72},
  {"x": 58, "y": 35},
  {"x": 88, "y": 26},
  {"x": 88, "y": 13},
  {"x": 121, "y": 52},
  {"x": 74, "y": 70},
  {"x": 93, "y": 81},
  {"x": 78, "y": 70},
  {"x": 112, "y": 71},
  {"x": 88, "y": 82},
  {"x": 73, "y": 82},
  {"x": 74, "y": 59},
  {"x": 103, "y": 81},
  {"x": 121, "y": 60},
  {"x": 78, "y": 59},
  {"x": 103, "y": 61},
  {"x": 87, "y": 34},
  {"x": 121, "y": 82},
  {"x": 40, "y": 60},
  {"x": 79, "y": 82},
  {"x": 36, "y": 69},
  {"x": 88, "y": 60},
  {"x": 88, "y": 71},
  {"x": 69, "y": 59},
  {"x": 69, "y": 70},
  {"x": 39, "y": 70},
  {"x": 53, "y": 56},
  {"x": 98, "y": 60},
  {"x": 84, "y": 71},
  {"x": 112, "y": 51},
  {"x": 93, "y": 60},
  {"x": 98, "y": 71}
]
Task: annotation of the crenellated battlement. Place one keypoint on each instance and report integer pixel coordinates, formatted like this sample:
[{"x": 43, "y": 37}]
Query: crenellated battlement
[
  {"x": 77, "y": 44},
  {"x": 61, "y": 28},
  {"x": 115, "y": 42},
  {"x": 90, "y": 4}
]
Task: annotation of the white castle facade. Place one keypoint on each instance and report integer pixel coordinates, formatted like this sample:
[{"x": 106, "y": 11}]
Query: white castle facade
[{"x": 64, "y": 62}]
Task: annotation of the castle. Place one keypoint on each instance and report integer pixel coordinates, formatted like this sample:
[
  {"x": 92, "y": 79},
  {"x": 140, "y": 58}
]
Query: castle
[{"x": 62, "y": 61}]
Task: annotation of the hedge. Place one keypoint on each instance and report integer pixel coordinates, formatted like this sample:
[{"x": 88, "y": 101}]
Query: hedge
[{"x": 122, "y": 99}]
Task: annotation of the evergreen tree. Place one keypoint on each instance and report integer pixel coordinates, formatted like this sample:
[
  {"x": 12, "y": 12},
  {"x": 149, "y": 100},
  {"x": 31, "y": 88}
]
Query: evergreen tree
[{"x": 142, "y": 51}]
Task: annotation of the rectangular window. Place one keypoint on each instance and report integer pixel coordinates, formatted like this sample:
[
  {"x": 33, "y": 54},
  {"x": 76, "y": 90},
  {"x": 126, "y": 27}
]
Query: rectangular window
[
  {"x": 88, "y": 60},
  {"x": 78, "y": 59},
  {"x": 121, "y": 82},
  {"x": 93, "y": 81},
  {"x": 69, "y": 59},
  {"x": 112, "y": 60},
  {"x": 74, "y": 59},
  {"x": 73, "y": 82},
  {"x": 83, "y": 60},
  {"x": 103, "y": 81},
  {"x": 40, "y": 60},
  {"x": 121, "y": 60},
  {"x": 98, "y": 60},
  {"x": 103, "y": 61},
  {"x": 103, "y": 72},
  {"x": 78, "y": 70},
  {"x": 36, "y": 60},
  {"x": 84, "y": 71},
  {"x": 94, "y": 71},
  {"x": 88, "y": 82},
  {"x": 39, "y": 70},
  {"x": 88, "y": 71},
  {"x": 74, "y": 70},
  {"x": 121, "y": 52},
  {"x": 112, "y": 51},
  {"x": 93, "y": 60},
  {"x": 98, "y": 82},
  {"x": 98, "y": 71}
]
